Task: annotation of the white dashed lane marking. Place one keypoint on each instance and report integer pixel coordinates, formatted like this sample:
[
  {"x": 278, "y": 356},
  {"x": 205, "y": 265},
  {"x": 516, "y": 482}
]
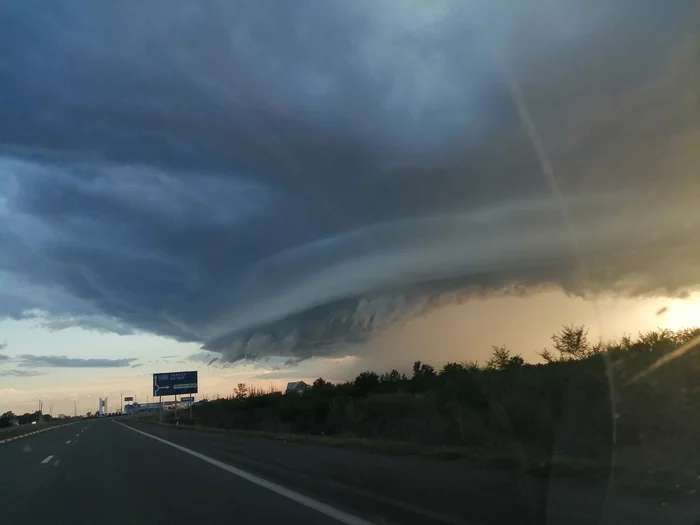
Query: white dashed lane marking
[
  {"x": 67, "y": 442},
  {"x": 49, "y": 458}
]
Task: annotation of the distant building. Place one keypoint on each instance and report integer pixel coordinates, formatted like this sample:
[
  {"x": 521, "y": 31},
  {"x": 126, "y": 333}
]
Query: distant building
[{"x": 296, "y": 387}]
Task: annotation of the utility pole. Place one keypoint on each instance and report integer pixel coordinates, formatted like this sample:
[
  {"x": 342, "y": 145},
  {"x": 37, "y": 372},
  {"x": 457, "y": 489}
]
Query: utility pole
[
  {"x": 51, "y": 410},
  {"x": 75, "y": 409},
  {"x": 121, "y": 402}
]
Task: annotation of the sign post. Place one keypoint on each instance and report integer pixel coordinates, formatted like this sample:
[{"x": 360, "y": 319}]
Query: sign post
[
  {"x": 174, "y": 384},
  {"x": 189, "y": 401}
]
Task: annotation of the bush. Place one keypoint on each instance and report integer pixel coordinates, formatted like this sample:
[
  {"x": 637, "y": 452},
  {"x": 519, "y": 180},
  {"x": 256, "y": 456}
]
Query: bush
[{"x": 573, "y": 404}]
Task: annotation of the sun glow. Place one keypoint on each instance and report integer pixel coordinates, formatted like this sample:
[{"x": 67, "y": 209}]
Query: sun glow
[{"x": 676, "y": 314}]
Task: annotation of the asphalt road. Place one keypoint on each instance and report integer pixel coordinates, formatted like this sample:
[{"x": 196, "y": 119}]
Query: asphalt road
[
  {"x": 103, "y": 472},
  {"x": 100, "y": 472}
]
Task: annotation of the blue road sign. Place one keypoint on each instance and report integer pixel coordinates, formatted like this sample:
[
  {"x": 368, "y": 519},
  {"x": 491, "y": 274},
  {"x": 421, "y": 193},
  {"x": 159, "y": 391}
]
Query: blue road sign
[
  {"x": 186, "y": 399},
  {"x": 174, "y": 383}
]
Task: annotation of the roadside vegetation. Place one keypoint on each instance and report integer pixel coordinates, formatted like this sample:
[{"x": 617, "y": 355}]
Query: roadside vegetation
[
  {"x": 9, "y": 419},
  {"x": 632, "y": 403},
  {"x": 10, "y": 428}
]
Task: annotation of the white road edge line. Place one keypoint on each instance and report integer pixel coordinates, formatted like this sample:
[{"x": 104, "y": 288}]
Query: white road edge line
[
  {"x": 323, "y": 508},
  {"x": 48, "y": 458}
]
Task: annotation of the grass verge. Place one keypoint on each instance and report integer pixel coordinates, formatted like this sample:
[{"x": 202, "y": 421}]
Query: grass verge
[
  {"x": 28, "y": 429},
  {"x": 502, "y": 459},
  {"x": 632, "y": 474}
]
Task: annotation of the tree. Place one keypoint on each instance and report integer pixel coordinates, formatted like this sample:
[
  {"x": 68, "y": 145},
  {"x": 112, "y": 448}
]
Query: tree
[
  {"x": 366, "y": 382},
  {"x": 502, "y": 359},
  {"x": 421, "y": 370},
  {"x": 392, "y": 377},
  {"x": 241, "y": 391},
  {"x": 572, "y": 342},
  {"x": 320, "y": 384},
  {"x": 6, "y": 419},
  {"x": 547, "y": 355}
]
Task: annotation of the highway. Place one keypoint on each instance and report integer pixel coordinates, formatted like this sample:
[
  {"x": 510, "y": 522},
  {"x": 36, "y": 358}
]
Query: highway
[
  {"x": 100, "y": 472},
  {"x": 128, "y": 472}
]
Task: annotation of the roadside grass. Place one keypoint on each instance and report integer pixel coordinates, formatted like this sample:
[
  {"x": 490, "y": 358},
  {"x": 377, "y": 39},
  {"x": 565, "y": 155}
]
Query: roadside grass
[
  {"x": 28, "y": 429},
  {"x": 629, "y": 472}
]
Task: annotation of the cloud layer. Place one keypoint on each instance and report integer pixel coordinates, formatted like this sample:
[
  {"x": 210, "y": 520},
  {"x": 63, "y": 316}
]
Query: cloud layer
[
  {"x": 61, "y": 361},
  {"x": 287, "y": 180},
  {"x": 14, "y": 372}
]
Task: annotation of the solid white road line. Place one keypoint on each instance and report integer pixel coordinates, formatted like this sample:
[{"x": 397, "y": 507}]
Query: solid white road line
[
  {"x": 67, "y": 442},
  {"x": 49, "y": 458},
  {"x": 323, "y": 508}
]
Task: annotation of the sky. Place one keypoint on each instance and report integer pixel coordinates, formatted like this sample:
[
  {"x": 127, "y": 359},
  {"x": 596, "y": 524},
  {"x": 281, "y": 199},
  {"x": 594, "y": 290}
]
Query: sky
[{"x": 266, "y": 191}]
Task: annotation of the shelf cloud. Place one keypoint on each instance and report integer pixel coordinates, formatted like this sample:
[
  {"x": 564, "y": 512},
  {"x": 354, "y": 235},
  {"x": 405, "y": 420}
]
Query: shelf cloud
[{"x": 291, "y": 179}]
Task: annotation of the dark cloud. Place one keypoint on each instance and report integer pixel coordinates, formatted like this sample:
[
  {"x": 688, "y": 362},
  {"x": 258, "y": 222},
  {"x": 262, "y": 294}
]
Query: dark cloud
[
  {"x": 203, "y": 357},
  {"x": 137, "y": 365},
  {"x": 19, "y": 373},
  {"x": 289, "y": 179},
  {"x": 4, "y": 357},
  {"x": 59, "y": 361}
]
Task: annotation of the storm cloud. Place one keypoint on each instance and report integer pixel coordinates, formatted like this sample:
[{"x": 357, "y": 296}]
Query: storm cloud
[
  {"x": 14, "y": 372},
  {"x": 60, "y": 361},
  {"x": 287, "y": 179}
]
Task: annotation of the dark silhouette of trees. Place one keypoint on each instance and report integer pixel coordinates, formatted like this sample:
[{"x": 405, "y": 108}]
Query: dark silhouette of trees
[
  {"x": 572, "y": 342},
  {"x": 501, "y": 359},
  {"x": 6, "y": 419},
  {"x": 241, "y": 391},
  {"x": 366, "y": 383},
  {"x": 505, "y": 404}
]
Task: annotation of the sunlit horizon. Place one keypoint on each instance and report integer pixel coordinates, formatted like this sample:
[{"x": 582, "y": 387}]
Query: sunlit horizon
[{"x": 457, "y": 333}]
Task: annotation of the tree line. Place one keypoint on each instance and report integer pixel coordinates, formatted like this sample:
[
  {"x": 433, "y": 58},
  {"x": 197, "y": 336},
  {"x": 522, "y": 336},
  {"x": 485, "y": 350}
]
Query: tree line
[
  {"x": 9, "y": 418},
  {"x": 581, "y": 400}
]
